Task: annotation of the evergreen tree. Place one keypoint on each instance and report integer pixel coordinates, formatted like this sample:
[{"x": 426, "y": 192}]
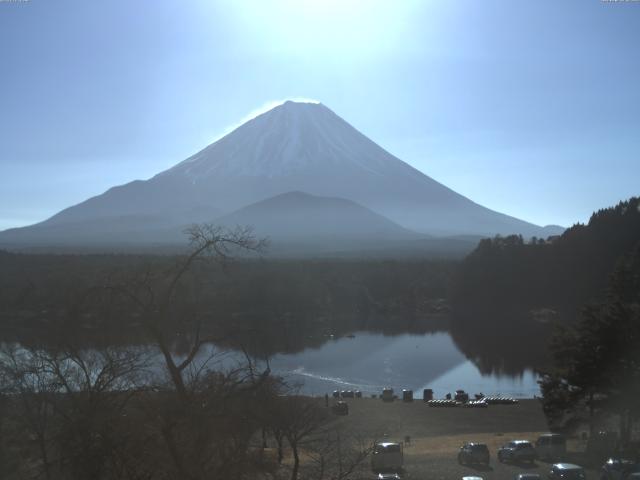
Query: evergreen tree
[{"x": 597, "y": 363}]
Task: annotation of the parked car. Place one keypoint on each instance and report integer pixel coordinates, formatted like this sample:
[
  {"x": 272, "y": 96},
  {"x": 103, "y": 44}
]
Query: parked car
[
  {"x": 461, "y": 396},
  {"x": 340, "y": 408},
  {"x": 387, "y": 395},
  {"x": 473, "y": 453},
  {"x": 387, "y": 457},
  {"x": 619, "y": 469},
  {"x": 517, "y": 451},
  {"x": 566, "y": 471},
  {"x": 551, "y": 446},
  {"x": 528, "y": 476}
]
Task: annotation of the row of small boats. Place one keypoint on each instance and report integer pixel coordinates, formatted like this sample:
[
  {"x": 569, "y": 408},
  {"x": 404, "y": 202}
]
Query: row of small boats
[{"x": 479, "y": 403}]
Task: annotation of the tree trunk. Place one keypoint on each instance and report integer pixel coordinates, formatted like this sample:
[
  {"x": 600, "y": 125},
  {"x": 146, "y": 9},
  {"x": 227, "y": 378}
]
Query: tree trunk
[
  {"x": 591, "y": 425},
  {"x": 278, "y": 438},
  {"x": 296, "y": 461},
  {"x": 625, "y": 428},
  {"x": 167, "y": 434},
  {"x": 174, "y": 371},
  {"x": 45, "y": 458}
]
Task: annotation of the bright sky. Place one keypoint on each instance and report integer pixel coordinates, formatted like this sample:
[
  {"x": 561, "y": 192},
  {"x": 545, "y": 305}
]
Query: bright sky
[{"x": 529, "y": 108}]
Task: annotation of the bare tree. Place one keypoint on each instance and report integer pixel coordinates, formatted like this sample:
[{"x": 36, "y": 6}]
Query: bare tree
[
  {"x": 200, "y": 418},
  {"x": 86, "y": 411},
  {"x": 339, "y": 453},
  {"x": 23, "y": 381},
  {"x": 299, "y": 419},
  {"x": 330, "y": 448},
  {"x": 154, "y": 294},
  {"x": 71, "y": 404}
]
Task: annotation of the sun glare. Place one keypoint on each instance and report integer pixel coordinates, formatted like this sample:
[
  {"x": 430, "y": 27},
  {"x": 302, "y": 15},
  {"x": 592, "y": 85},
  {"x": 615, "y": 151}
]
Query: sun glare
[{"x": 345, "y": 29}]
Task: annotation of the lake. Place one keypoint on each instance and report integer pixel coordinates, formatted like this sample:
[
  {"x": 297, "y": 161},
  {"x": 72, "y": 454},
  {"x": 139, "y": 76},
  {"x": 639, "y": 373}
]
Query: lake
[{"x": 370, "y": 361}]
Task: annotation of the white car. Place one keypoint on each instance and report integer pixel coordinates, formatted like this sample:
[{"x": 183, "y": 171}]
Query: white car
[{"x": 567, "y": 471}]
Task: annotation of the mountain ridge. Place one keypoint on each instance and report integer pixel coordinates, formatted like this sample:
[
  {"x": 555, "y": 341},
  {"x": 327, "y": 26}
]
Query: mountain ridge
[
  {"x": 293, "y": 147},
  {"x": 299, "y": 215}
]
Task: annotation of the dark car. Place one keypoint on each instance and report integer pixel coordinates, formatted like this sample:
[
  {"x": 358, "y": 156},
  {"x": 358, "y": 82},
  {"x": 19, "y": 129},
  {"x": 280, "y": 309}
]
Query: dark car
[
  {"x": 517, "y": 451},
  {"x": 461, "y": 396},
  {"x": 566, "y": 471},
  {"x": 473, "y": 453},
  {"x": 619, "y": 469},
  {"x": 551, "y": 446},
  {"x": 341, "y": 408}
]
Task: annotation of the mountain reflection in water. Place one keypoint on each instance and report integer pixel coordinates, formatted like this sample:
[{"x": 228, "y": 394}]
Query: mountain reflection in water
[{"x": 371, "y": 361}]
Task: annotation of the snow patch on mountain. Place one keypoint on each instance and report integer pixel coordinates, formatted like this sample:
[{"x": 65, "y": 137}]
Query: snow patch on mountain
[
  {"x": 264, "y": 108},
  {"x": 289, "y": 138}
]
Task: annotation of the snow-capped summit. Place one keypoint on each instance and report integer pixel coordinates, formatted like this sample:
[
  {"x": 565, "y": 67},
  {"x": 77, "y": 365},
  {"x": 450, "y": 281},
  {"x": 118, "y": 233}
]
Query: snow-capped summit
[
  {"x": 291, "y": 138},
  {"x": 296, "y": 146}
]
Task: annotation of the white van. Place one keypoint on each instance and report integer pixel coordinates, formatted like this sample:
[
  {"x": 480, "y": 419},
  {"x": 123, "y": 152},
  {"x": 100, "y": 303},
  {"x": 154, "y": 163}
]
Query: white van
[
  {"x": 387, "y": 457},
  {"x": 551, "y": 446}
]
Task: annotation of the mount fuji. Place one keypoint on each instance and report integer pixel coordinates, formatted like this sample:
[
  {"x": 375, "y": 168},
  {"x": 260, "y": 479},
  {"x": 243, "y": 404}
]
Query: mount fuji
[{"x": 295, "y": 147}]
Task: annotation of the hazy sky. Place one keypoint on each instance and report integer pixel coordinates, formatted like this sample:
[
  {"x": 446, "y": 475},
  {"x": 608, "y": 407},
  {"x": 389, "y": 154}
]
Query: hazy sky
[{"x": 531, "y": 108}]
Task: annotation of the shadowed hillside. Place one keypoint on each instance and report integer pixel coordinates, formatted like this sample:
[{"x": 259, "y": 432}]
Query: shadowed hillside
[{"x": 509, "y": 292}]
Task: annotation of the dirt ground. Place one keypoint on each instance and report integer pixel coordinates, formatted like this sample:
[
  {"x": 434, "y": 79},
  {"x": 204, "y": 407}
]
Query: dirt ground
[{"x": 437, "y": 433}]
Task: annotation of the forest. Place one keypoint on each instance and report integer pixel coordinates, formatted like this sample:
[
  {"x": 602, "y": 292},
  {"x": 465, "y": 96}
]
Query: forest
[
  {"x": 510, "y": 293},
  {"x": 287, "y": 304}
]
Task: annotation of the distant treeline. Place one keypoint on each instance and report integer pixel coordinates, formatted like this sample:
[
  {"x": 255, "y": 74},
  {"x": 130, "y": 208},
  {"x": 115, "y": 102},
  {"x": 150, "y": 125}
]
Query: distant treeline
[
  {"x": 508, "y": 291},
  {"x": 267, "y": 305}
]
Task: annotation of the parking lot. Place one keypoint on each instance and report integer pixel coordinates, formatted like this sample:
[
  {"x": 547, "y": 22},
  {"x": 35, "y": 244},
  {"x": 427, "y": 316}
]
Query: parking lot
[{"x": 436, "y": 434}]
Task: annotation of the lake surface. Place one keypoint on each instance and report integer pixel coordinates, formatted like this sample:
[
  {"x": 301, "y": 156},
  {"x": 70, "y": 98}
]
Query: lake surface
[{"x": 369, "y": 362}]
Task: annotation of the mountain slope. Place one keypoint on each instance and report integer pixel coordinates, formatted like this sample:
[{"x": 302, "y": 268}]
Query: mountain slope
[
  {"x": 302, "y": 217},
  {"x": 293, "y": 147}
]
